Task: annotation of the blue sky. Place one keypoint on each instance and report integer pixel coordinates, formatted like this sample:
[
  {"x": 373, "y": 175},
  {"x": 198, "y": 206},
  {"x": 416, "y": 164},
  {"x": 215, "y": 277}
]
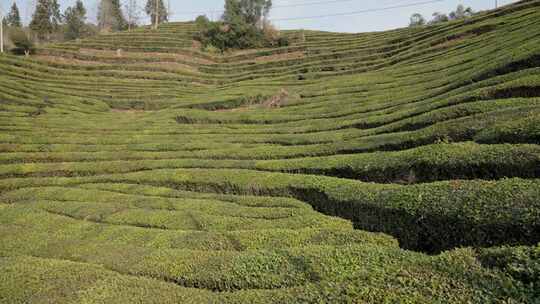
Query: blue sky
[{"x": 373, "y": 21}]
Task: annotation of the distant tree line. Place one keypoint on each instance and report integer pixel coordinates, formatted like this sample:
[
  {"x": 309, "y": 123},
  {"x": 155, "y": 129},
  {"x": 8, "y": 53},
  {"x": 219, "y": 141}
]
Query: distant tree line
[
  {"x": 460, "y": 13},
  {"x": 49, "y": 24}
]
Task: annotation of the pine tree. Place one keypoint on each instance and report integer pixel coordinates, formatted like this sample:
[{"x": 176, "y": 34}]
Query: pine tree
[
  {"x": 13, "y": 19},
  {"x": 151, "y": 11},
  {"x": 75, "y": 21},
  {"x": 118, "y": 15},
  {"x": 41, "y": 22},
  {"x": 46, "y": 19}
]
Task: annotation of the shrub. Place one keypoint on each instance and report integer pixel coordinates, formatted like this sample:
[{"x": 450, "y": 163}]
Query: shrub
[
  {"x": 522, "y": 263},
  {"x": 226, "y": 36},
  {"x": 23, "y": 44},
  {"x": 240, "y": 28},
  {"x": 211, "y": 49}
]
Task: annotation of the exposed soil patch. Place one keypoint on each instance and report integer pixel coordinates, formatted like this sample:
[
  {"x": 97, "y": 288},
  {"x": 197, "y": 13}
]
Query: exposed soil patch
[
  {"x": 277, "y": 100},
  {"x": 455, "y": 40}
]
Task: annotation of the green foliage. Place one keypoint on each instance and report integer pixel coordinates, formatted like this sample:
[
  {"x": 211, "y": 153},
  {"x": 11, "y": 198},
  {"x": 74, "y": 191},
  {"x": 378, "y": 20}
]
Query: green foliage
[
  {"x": 453, "y": 277},
  {"x": 110, "y": 16},
  {"x": 46, "y": 18},
  {"x": 246, "y": 11},
  {"x": 228, "y": 36},
  {"x": 23, "y": 44},
  {"x": 192, "y": 263},
  {"x": 241, "y": 27},
  {"x": 439, "y": 18},
  {"x": 522, "y": 129},
  {"x": 13, "y": 19},
  {"x": 461, "y": 12},
  {"x": 150, "y": 10},
  {"x": 47, "y": 15},
  {"x": 423, "y": 164},
  {"x": 417, "y": 20},
  {"x": 75, "y": 21},
  {"x": 451, "y": 213},
  {"x": 56, "y": 16},
  {"x": 521, "y": 263},
  {"x": 163, "y": 174}
]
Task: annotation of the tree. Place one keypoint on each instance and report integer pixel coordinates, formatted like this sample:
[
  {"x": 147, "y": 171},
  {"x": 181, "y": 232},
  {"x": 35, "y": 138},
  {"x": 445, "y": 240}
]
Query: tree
[
  {"x": 461, "y": 12},
  {"x": 13, "y": 19},
  {"x": 439, "y": 18},
  {"x": 41, "y": 22},
  {"x": 75, "y": 21},
  {"x": 249, "y": 11},
  {"x": 46, "y": 18},
  {"x": 417, "y": 20},
  {"x": 121, "y": 23},
  {"x": 56, "y": 17},
  {"x": 242, "y": 26},
  {"x": 162, "y": 14},
  {"x": 110, "y": 16},
  {"x": 104, "y": 15},
  {"x": 132, "y": 14}
]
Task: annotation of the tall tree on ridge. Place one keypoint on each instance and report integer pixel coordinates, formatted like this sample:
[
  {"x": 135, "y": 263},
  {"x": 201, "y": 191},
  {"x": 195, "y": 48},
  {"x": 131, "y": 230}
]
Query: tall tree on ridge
[
  {"x": 461, "y": 12},
  {"x": 41, "y": 22},
  {"x": 250, "y": 11},
  {"x": 13, "y": 19},
  {"x": 417, "y": 20},
  {"x": 132, "y": 14},
  {"x": 439, "y": 18},
  {"x": 75, "y": 21},
  {"x": 56, "y": 16},
  {"x": 157, "y": 11},
  {"x": 110, "y": 16},
  {"x": 46, "y": 18}
]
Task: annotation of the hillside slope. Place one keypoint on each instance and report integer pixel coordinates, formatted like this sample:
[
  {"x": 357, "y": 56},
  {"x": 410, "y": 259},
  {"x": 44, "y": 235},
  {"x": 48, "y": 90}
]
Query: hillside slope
[{"x": 398, "y": 166}]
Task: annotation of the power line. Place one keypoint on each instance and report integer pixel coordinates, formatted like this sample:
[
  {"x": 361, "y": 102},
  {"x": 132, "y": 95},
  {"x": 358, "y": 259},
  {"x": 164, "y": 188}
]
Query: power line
[
  {"x": 360, "y": 12},
  {"x": 311, "y": 3},
  {"x": 320, "y": 3},
  {"x": 273, "y": 6}
]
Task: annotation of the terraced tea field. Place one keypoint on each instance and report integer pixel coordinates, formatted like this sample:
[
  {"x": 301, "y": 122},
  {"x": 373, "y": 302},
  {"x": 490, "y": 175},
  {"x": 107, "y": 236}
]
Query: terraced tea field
[{"x": 390, "y": 167}]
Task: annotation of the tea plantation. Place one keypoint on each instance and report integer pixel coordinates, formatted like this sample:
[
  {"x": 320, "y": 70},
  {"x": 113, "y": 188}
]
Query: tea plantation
[{"x": 389, "y": 167}]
